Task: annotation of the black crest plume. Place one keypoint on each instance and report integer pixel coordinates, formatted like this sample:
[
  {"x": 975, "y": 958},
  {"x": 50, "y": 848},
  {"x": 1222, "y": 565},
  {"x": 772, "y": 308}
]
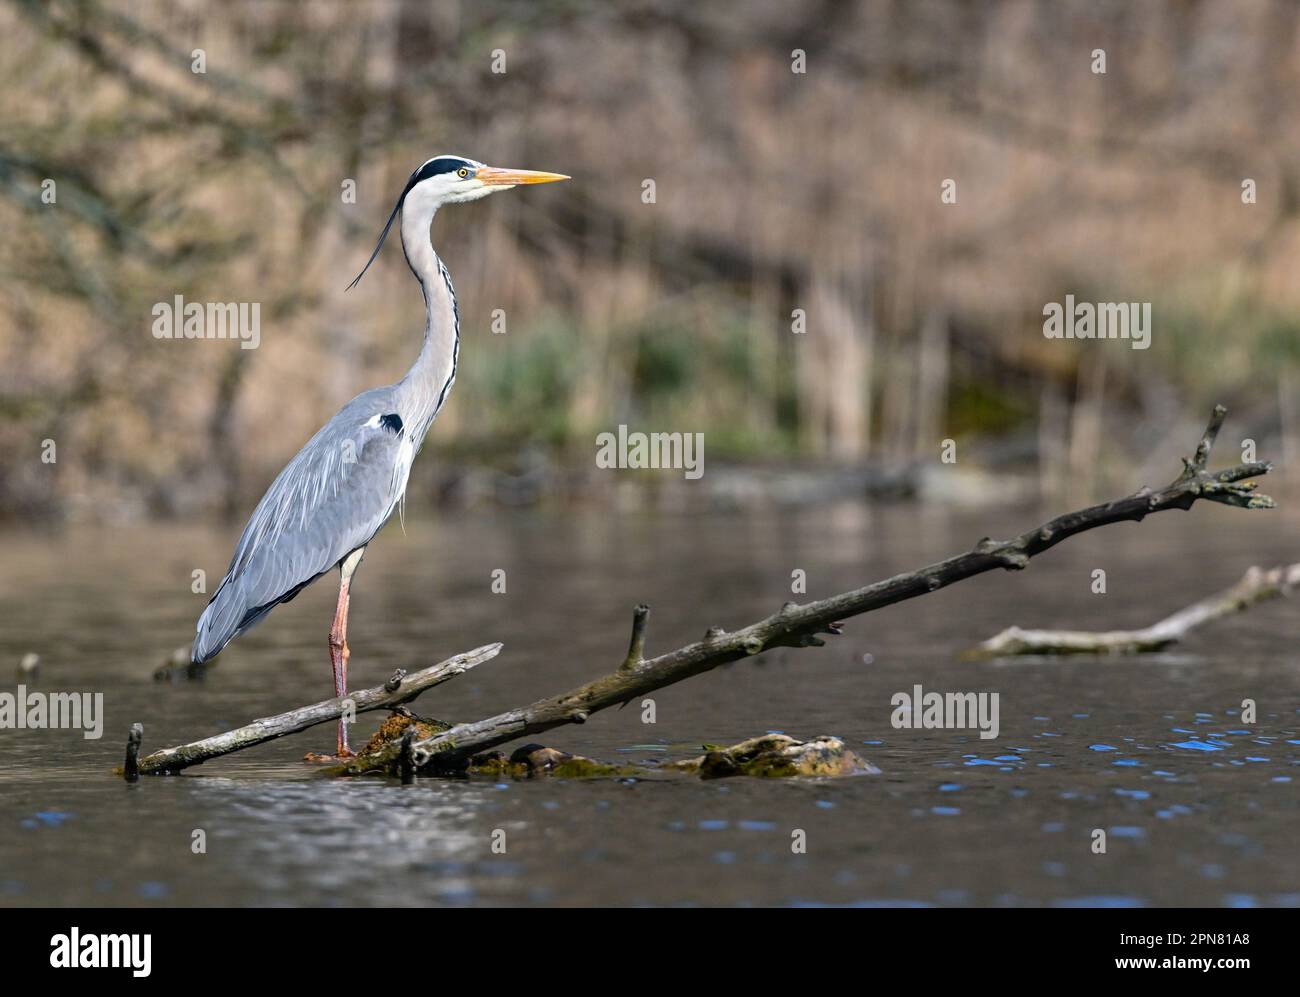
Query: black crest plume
[{"x": 439, "y": 164}]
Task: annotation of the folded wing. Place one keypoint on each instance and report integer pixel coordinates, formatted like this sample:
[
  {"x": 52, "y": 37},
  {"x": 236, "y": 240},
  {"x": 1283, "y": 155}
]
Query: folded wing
[{"x": 328, "y": 501}]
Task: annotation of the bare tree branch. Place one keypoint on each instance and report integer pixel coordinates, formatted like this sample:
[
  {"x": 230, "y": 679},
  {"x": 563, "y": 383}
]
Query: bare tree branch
[
  {"x": 399, "y": 689},
  {"x": 801, "y": 625}
]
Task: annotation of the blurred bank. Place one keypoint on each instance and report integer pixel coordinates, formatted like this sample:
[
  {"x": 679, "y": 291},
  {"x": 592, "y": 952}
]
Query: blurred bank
[{"x": 778, "y": 196}]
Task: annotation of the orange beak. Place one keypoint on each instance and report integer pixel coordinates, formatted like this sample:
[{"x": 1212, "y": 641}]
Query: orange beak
[{"x": 494, "y": 176}]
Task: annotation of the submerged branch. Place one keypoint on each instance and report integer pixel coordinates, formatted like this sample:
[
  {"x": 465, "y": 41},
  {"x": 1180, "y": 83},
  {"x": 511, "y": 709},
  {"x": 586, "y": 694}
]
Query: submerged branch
[
  {"x": 1256, "y": 586},
  {"x": 802, "y": 625}
]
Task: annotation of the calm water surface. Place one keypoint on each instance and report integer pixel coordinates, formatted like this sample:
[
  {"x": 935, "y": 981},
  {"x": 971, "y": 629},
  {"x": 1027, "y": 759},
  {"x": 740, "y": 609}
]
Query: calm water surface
[{"x": 1199, "y": 808}]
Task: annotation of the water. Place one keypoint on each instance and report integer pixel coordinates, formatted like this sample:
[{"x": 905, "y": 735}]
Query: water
[{"x": 1085, "y": 743}]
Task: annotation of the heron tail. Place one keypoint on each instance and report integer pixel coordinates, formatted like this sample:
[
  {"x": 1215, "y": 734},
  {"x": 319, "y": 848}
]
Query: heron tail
[{"x": 219, "y": 624}]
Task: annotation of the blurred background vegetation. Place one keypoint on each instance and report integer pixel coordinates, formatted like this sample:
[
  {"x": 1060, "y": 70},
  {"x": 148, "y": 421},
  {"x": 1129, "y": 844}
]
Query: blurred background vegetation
[{"x": 775, "y": 191}]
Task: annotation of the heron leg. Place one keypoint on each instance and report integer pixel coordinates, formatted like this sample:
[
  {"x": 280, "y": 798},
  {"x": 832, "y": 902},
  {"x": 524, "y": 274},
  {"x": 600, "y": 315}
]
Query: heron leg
[{"x": 339, "y": 652}]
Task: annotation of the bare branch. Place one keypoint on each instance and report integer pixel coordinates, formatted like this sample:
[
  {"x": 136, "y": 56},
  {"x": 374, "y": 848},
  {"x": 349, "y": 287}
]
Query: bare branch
[
  {"x": 393, "y": 693},
  {"x": 1211, "y": 434},
  {"x": 636, "y": 648},
  {"x": 797, "y": 625},
  {"x": 1256, "y": 586}
]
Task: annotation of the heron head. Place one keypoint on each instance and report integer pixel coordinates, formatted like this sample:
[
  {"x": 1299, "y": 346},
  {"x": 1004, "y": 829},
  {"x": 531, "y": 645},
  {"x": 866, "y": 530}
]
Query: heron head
[{"x": 453, "y": 180}]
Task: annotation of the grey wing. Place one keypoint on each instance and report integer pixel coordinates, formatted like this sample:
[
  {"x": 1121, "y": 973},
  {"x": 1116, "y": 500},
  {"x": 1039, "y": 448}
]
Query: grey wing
[{"x": 328, "y": 501}]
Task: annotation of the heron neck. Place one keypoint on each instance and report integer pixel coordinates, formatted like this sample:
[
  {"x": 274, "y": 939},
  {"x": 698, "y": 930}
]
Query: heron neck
[{"x": 427, "y": 384}]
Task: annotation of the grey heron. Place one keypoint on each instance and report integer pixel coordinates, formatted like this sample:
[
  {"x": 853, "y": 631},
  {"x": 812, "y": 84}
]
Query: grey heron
[{"x": 344, "y": 484}]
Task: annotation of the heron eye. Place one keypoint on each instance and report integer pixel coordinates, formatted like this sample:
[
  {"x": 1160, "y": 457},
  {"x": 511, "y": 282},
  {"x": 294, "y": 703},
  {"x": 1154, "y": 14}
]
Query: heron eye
[{"x": 463, "y": 172}]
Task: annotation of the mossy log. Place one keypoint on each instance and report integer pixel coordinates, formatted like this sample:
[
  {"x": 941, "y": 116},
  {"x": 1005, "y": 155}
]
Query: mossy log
[{"x": 766, "y": 756}]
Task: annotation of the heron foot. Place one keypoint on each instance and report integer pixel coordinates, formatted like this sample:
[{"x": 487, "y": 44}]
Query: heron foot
[{"x": 316, "y": 756}]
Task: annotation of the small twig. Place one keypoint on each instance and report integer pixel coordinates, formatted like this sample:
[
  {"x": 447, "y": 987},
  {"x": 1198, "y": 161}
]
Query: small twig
[
  {"x": 1211, "y": 434},
  {"x": 131, "y": 768},
  {"x": 636, "y": 648}
]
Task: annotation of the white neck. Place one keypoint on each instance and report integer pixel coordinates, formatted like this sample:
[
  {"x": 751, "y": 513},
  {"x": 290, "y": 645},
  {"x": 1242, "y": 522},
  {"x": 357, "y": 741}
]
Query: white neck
[{"x": 425, "y": 386}]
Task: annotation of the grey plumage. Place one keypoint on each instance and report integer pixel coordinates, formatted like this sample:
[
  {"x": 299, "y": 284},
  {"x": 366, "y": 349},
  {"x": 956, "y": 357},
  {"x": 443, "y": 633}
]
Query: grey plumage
[
  {"x": 344, "y": 484},
  {"x": 331, "y": 499}
]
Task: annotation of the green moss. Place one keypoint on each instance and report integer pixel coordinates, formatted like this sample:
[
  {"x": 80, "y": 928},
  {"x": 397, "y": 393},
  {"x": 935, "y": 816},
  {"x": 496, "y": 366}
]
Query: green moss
[
  {"x": 535, "y": 760},
  {"x": 578, "y": 767}
]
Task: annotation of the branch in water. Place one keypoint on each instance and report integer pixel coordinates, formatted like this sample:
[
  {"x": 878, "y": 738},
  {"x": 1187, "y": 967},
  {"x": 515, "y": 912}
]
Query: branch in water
[
  {"x": 1256, "y": 586},
  {"x": 802, "y": 625},
  {"x": 401, "y": 688}
]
